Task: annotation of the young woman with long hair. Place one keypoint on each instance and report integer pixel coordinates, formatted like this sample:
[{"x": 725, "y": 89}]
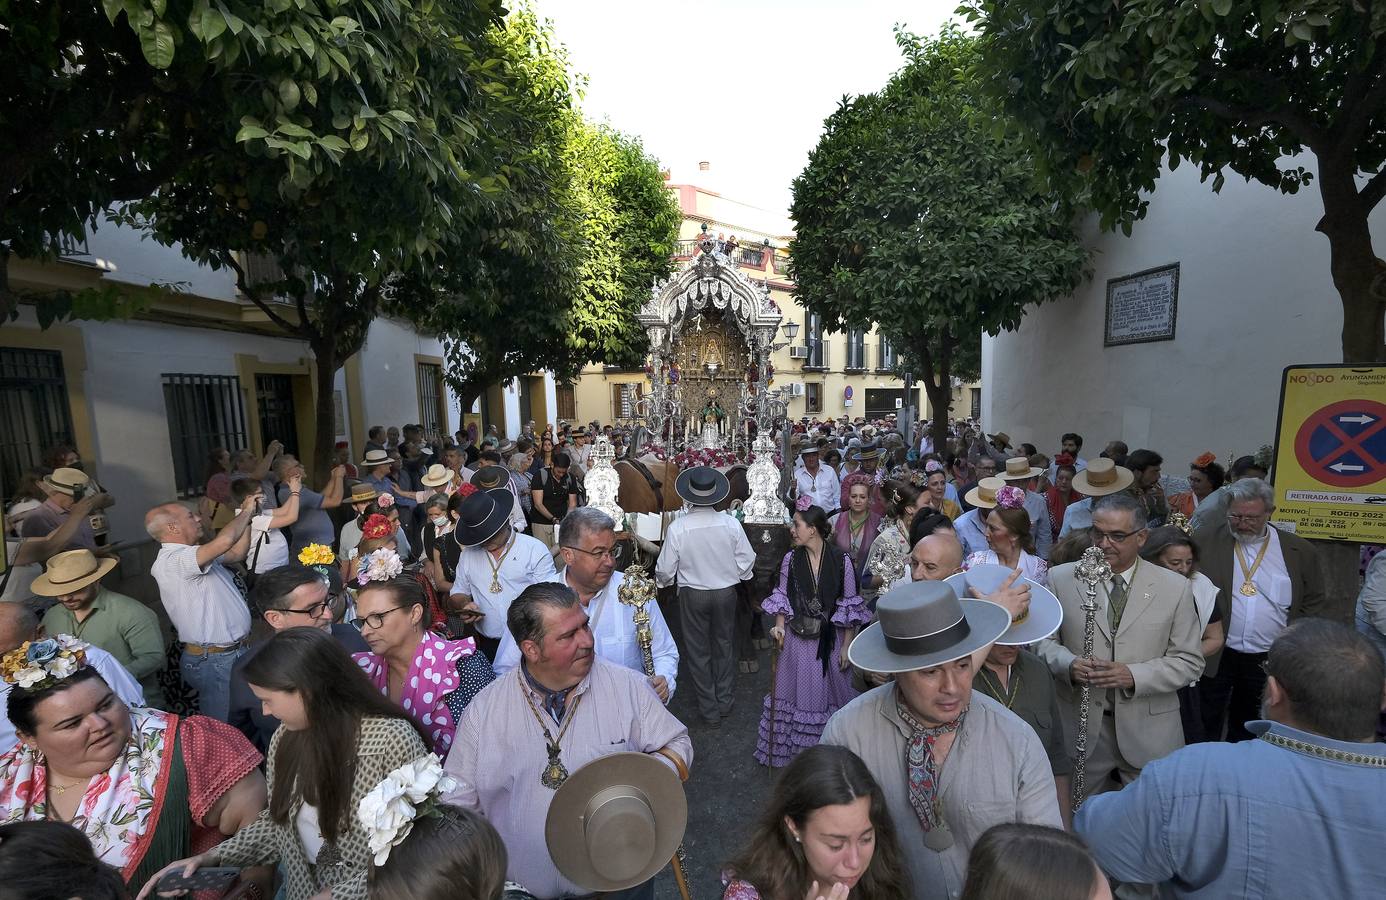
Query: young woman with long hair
[
  {"x": 338, "y": 738},
  {"x": 452, "y": 853},
  {"x": 826, "y": 833},
  {"x": 1026, "y": 862}
]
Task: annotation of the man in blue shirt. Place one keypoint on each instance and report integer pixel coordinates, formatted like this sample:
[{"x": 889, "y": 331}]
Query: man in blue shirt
[
  {"x": 1296, "y": 813},
  {"x": 314, "y": 525}
]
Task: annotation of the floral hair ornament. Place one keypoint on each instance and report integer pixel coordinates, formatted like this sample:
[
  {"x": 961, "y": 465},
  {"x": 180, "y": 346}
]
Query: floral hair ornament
[
  {"x": 392, "y": 807},
  {"x": 467, "y": 489},
  {"x": 933, "y": 466},
  {"x": 1010, "y": 497},
  {"x": 38, "y": 665},
  {"x": 1205, "y": 460},
  {"x": 316, "y": 555},
  {"x": 377, "y": 526},
  {"x": 385, "y": 501},
  {"x": 803, "y": 503},
  {"x": 381, "y": 565}
]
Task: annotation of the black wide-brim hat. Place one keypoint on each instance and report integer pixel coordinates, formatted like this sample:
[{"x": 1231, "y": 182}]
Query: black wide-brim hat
[
  {"x": 703, "y": 486},
  {"x": 483, "y": 514}
]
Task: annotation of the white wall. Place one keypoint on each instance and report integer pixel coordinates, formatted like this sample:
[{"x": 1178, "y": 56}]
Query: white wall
[
  {"x": 389, "y": 386},
  {"x": 1255, "y": 295},
  {"x": 142, "y": 261}
]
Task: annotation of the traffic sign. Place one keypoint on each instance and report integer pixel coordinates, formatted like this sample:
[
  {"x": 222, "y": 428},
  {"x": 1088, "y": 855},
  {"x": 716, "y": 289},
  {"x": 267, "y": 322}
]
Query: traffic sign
[{"x": 1330, "y": 453}]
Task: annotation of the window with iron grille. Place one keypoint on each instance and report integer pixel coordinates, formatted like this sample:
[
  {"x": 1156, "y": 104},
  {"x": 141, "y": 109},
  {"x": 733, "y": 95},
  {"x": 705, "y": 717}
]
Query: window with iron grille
[
  {"x": 624, "y": 398},
  {"x": 204, "y": 412},
  {"x": 813, "y": 397},
  {"x": 856, "y": 349},
  {"x": 976, "y": 403},
  {"x": 432, "y": 414},
  {"x": 886, "y": 360},
  {"x": 813, "y": 338},
  {"x": 34, "y": 412}
]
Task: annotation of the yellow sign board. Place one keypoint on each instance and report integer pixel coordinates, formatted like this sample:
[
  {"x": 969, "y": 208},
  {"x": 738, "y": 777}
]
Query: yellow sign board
[{"x": 1330, "y": 453}]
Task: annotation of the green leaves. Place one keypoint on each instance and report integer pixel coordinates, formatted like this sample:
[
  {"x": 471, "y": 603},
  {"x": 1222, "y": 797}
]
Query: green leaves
[{"x": 156, "y": 42}]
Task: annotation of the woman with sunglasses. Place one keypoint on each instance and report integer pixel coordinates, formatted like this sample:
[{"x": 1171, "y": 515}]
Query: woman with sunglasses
[{"x": 432, "y": 678}]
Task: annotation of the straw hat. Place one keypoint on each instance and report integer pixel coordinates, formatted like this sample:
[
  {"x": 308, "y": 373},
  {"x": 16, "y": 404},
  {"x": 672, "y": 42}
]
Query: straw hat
[
  {"x": 362, "y": 492},
  {"x": 376, "y": 458},
  {"x": 616, "y": 821},
  {"x": 925, "y": 624},
  {"x": 1044, "y": 617},
  {"x": 1102, "y": 477},
  {"x": 71, "y": 571},
  {"x": 1018, "y": 468},
  {"x": 984, "y": 494},
  {"x": 436, "y": 476},
  {"x": 1001, "y": 436},
  {"x": 67, "y": 481}
]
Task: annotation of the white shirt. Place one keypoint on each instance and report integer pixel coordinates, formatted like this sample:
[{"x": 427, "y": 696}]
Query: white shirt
[
  {"x": 119, "y": 680},
  {"x": 1257, "y": 620},
  {"x": 823, "y": 487},
  {"x": 205, "y": 604},
  {"x": 613, "y": 633},
  {"x": 705, "y": 550},
  {"x": 268, "y": 548},
  {"x": 528, "y": 561},
  {"x": 309, "y": 832}
]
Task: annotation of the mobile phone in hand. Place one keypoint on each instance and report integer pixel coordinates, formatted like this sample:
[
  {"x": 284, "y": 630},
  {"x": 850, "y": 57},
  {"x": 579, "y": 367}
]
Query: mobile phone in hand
[{"x": 212, "y": 878}]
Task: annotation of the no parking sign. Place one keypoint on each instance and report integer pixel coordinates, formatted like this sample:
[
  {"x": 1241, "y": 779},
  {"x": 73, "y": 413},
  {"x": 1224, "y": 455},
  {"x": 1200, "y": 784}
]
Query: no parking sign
[{"x": 1330, "y": 453}]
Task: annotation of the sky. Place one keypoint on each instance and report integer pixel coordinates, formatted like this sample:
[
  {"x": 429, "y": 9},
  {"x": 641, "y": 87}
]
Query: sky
[{"x": 743, "y": 85}]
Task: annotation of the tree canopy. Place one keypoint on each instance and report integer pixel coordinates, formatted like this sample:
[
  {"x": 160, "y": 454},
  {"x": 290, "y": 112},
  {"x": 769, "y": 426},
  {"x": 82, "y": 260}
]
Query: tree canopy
[
  {"x": 915, "y": 215},
  {"x": 1289, "y": 94}
]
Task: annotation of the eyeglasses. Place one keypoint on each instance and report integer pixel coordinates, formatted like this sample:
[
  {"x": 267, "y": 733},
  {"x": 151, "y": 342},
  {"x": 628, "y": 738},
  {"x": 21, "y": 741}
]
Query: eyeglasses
[
  {"x": 1233, "y": 517},
  {"x": 1114, "y": 537},
  {"x": 311, "y": 612},
  {"x": 598, "y": 553},
  {"x": 374, "y": 620}
]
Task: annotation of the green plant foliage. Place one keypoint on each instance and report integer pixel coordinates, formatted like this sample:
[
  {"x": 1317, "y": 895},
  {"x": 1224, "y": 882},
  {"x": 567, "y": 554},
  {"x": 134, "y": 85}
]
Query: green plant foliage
[
  {"x": 913, "y": 214},
  {"x": 1289, "y": 94}
]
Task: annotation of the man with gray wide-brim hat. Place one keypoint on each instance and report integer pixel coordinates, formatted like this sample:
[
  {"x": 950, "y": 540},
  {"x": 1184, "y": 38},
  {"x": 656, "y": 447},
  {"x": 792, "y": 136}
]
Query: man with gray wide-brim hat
[{"x": 996, "y": 769}]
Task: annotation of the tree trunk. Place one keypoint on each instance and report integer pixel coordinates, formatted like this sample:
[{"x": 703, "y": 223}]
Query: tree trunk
[
  {"x": 1354, "y": 265},
  {"x": 936, "y": 388},
  {"x": 326, "y": 363}
]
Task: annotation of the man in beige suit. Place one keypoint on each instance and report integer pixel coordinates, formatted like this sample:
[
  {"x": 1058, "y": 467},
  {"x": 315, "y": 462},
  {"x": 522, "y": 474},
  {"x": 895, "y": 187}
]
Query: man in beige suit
[{"x": 1134, "y": 713}]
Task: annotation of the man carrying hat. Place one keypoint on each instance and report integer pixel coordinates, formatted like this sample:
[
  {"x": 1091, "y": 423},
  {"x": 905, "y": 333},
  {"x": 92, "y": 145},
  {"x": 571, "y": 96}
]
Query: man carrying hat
[
  {"x": 588, "y": 548},
  {"x": 1145, "y": 648},
  {"x": 65, "y": 487},
  {"x": 1101, "y": 478},
  {"x": 122, "y": 626},
  {"x": 528, "y": 731},
  {"x": 817, "y": 481},
  {"x": 707, "y": 553},
  {"x": 496, "y": 564},
  {"x": 1019, "y": 473},
  {"x": 952, "y": 761}
]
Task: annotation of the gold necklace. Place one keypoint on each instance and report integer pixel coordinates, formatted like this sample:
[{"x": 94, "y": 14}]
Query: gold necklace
[
  {"x": 495, "y": 565},
  {"x": 1248, "y": 589},
  {"x": 555, "y": 773},
  {"x": 1006, "y": 697}
]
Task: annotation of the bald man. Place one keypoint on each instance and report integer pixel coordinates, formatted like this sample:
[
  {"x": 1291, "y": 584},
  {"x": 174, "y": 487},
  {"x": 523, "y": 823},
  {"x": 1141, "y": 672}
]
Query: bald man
[
  {"x": 203, "y": 599},
  {"x": 18, "y": 624}
]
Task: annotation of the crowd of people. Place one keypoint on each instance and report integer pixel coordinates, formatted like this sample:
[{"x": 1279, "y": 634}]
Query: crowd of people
[{"x": 380, "y": 688}]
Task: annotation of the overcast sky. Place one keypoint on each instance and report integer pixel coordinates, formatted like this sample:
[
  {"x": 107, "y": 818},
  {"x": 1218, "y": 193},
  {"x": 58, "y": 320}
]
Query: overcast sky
[{"x": 745, "y": 85}]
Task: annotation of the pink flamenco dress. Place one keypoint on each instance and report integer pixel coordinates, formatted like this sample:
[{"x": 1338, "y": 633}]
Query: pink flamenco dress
[{"x": 809, "y": 684}]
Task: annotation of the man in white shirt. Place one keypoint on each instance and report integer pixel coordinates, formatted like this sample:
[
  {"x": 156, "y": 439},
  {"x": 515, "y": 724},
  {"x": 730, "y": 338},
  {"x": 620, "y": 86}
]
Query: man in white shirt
[
  {"x": 269, "y": 548},
  {"x": 817, "y": 481},
  {"x": 496, "y": 564},
  {"x": 18, "y": 624},
  {"x": 204, "y": 600},
  {"x": 588, "y": 544},
  {"x": 1071, "y": 443},
  {"x": 708, "y": 554}
]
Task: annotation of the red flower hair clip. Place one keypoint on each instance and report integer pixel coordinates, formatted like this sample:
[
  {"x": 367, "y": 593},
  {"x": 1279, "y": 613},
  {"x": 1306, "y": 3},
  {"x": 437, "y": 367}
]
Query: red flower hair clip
[
  {"x": 1205, "y": 460},
  {"x": 377, "y": 526},
  {"x": 467, "y": 489}
]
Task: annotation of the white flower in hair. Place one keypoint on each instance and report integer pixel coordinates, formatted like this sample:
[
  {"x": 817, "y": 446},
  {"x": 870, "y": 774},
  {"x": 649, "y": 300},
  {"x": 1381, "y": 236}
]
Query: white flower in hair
[
  {"x": 389, "y": 811},
  {"x": 381, "y": 565}
]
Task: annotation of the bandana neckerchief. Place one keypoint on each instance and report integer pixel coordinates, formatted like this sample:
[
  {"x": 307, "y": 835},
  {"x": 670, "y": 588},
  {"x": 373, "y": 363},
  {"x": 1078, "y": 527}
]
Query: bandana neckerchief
[{"x": 919, "y": 763}]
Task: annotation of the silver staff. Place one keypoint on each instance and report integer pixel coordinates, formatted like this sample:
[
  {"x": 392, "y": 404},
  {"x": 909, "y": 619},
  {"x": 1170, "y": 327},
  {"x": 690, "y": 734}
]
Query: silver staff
[{"x": 1092, "y": 570}]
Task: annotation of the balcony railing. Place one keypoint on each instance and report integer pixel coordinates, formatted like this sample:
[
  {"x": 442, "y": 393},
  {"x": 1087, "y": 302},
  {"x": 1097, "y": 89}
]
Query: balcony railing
[
  {"x": 818, "y": 354},
  {"x": 750, "y": 257}
]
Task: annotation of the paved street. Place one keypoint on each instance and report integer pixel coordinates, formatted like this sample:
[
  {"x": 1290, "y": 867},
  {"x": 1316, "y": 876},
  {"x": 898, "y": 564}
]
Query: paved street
[{"x": 726, "y": 789}]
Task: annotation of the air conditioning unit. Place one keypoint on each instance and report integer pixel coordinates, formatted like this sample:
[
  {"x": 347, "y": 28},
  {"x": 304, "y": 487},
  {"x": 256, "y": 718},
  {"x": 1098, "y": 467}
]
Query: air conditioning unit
[
  {"x": 796, "y": 390},
  {"x": 800, "y": 352}
]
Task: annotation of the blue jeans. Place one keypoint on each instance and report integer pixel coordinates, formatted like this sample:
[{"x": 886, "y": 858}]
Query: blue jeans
[{"x": 210, "y": 676}]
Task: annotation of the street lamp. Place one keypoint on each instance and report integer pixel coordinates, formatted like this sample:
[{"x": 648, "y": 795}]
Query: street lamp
[{"x": 790, "y": 329}]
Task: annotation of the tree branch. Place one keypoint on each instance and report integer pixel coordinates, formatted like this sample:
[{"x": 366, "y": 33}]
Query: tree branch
[
  {"x": 1372, "y": 194},
  {"x": 1301, "y": 126},
  {"x": 244, "y": 285}
]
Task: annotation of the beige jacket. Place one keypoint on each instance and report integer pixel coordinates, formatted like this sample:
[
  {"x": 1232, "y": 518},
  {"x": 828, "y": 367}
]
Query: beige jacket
[{"x": 1158, "y": 640}]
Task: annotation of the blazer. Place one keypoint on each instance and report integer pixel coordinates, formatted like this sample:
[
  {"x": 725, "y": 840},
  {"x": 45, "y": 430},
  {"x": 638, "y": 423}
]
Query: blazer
[
  {"x": 1217, "y": 560},
  {"x": 1158, "y": 640},
  {"x": 382, "y": 746}
]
